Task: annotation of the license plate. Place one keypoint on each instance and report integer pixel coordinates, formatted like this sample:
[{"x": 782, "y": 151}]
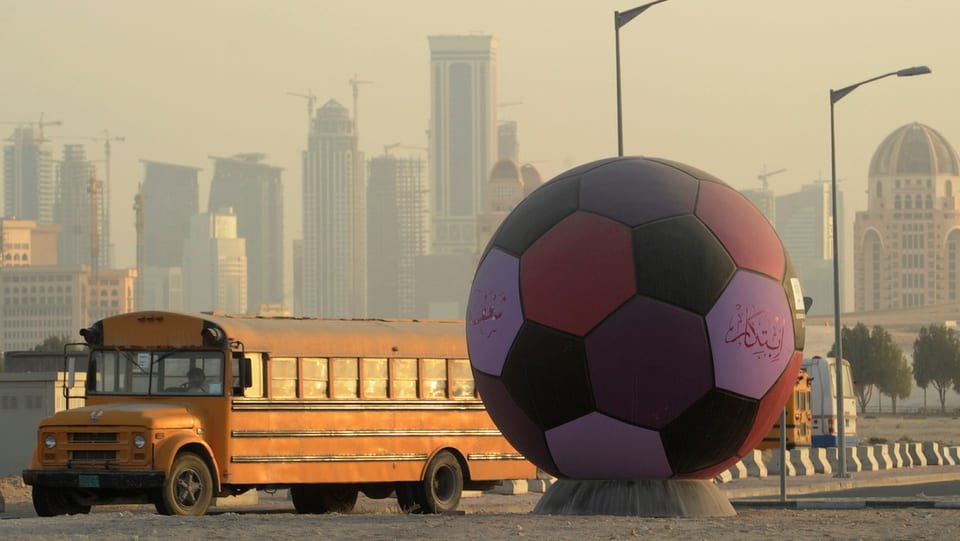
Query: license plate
[{"x": 89, "y": 481}]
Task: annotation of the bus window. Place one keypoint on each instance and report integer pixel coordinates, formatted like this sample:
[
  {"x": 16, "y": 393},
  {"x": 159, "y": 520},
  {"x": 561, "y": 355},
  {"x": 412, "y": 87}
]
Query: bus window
[
  {"x": 403, "y": 378},
  {"x": 434, "y": 378},
  {"x": 283, "y": 378},
  {"x": 374, "y": 378},
  {"x": 314, "y": 378},
  {"x": 344, "y": 373},
  {"x": 461, "y": 379}
]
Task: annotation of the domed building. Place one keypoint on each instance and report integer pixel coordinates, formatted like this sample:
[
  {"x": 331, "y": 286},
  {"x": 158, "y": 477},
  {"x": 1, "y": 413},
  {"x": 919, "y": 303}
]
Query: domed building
[
  {"x": 509, "y": 184},
  {"x": 906, "y": 243}
]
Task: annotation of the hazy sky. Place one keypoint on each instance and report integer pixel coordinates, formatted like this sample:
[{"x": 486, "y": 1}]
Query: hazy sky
[{"x": 729, "y": 86}]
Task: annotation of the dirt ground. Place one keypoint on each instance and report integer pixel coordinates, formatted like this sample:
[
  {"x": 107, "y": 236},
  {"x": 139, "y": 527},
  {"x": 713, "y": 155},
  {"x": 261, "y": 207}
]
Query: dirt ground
[{"x": 501, "y": 517}]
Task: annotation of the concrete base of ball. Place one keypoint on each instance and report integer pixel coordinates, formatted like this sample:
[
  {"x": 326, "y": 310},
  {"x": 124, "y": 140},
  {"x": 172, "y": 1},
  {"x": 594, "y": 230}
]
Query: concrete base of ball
[{"x": 684, "y": 498}]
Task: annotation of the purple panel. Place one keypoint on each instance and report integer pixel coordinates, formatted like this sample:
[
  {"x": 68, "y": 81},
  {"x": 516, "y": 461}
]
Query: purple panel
[
  {"x": 598, "y": 447},
  {"x": 514, "y": 424},
  {"x": 648, "y": 362},
  {"x": 751, "y": 333},
  {"x": 636, "y": 191},
  {"x": 741, "y": 227},
  {"x": 577, "y": 273},
  {"x": 494, "y": 313}
]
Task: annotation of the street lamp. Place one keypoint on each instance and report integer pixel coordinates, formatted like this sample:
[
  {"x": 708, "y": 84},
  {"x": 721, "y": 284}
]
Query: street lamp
[
  {"x": 835, "y": 96},
  {"x": 620, "y": 19}
]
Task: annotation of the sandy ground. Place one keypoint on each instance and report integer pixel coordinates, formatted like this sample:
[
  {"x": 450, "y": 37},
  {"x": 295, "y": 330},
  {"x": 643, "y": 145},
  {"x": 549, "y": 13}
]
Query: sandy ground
[{"x": 499, "y": 517}]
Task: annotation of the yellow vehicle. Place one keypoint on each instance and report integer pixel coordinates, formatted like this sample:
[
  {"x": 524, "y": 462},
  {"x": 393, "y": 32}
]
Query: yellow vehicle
[
  {"x": 182, "y": 408},
  {"x": 799, "y": 418}
]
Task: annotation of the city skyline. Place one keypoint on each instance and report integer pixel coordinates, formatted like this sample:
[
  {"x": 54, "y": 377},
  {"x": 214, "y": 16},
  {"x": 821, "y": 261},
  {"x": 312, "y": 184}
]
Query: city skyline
[{"x": 749, "y": 92}]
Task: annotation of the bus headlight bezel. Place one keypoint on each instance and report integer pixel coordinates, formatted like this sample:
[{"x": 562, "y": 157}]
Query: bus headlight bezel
[
  {"x": 139, "y": 441},
  {"x": 49, "y": 441}
]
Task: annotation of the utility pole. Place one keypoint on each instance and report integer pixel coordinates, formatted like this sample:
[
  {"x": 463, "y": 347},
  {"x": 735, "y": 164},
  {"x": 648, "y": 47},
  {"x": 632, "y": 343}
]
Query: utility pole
[
  {"x": 138, "y": 224},
  {"x": 311, "y": 101}
]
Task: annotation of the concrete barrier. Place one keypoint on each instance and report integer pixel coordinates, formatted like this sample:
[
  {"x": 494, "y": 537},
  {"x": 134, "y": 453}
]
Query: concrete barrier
[
  {"x": 951, "y": 453},
  {"x": 737, "y": 471},
  {"x": 821, "y": 463},
  {"x": 881, "y": 452},
  {"x": 852, "y": 460},
  {"x": 931, "y": 452},
  {"x": 896, "y": 454},
  {"x": 800, "y": 458},
  {"x": 248, "y": 498},
  {"x": 771, "y": 458},
  {"x": 754, "y": 464},
  {"x": 865, "y": 455},
  {"x": 511, "y": 486},
  {"x": 915, "y": 452}
]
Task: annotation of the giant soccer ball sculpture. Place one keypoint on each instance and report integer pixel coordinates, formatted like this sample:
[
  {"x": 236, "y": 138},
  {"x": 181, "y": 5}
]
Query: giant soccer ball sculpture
[{"x": 635, "y": 319}]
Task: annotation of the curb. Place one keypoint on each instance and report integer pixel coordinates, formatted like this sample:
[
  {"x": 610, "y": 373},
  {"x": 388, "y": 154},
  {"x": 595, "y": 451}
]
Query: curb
[{"x": 803, "y": 488}]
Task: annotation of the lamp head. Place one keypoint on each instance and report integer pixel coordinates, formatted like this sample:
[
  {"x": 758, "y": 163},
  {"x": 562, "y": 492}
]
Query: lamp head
[{"x": 916, "y": 70}]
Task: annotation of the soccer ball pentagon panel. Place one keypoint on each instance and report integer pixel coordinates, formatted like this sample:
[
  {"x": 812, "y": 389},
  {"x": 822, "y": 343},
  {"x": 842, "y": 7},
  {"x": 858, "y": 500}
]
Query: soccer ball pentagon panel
[{"x": 635, "y": 318}]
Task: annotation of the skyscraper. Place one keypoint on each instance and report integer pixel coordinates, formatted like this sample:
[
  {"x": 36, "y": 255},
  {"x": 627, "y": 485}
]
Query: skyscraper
[
  {"x": 463, "y": 136},
  {"x": 334, "y": 273},
  {"x": 803, "y": 221},
  {"x": 170, "y": 197},
  {"x": 398, "y": 220},
  {"x": 254, "y": 191},
  {"x": 215, "y": 264},
  {"x": 78, "y": 204},
  {"x": 28, "y": 182},
  {"x": 907, "y": 242}
]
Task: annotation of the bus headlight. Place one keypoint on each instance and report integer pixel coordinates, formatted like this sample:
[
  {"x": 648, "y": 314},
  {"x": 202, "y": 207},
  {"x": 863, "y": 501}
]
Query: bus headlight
[
  {"x": 139, "y": 441},
  {"x": 49, "y": 441}
]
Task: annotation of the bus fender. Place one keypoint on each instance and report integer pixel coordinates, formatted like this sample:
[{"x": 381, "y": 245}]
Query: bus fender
[{"x": 167, "y": 449}]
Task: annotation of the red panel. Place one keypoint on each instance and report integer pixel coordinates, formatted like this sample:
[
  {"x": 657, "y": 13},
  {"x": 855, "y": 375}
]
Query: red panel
[
  {"x": 772, "y": 404},
  {"x": 577, "y": 273},
  {"x": 742, "y": 228}
]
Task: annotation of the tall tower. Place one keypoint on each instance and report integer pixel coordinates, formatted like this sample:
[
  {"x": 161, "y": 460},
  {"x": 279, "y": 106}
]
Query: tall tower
[
  {"x": 907, "y": 242},
  {"x": 28, "y": 181},
  {"x": 463, "y": 136},
  {"x": 215, "y": 264},
  {"x": 398, "y": 220},
  {"x": 803, "y": 221},
  {"x": 334, "y": 273},
  {"x": 170, "y": 197},
  {"x": 73, "y": 209},
  {"x": 254, "y": 191}
]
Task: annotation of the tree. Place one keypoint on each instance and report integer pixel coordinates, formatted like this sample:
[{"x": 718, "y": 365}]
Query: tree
[
  {"x": 936, "y": 360},
  {"x": 858, "y": 350},
  {"x": 900, "y": 385},
  {"x": 53, "y": 343}
]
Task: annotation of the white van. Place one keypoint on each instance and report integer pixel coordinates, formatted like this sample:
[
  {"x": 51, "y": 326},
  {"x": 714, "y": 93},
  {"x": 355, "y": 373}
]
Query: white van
[{"x": 823, "y": 402}]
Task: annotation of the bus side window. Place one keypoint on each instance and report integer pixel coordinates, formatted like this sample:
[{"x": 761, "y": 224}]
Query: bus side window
[
  {"x": 434, "y": 378},
  {"x": 374, "y": 376},
  {"x": 344, "y": 373},
  {"x": 283, "y": 378},
  {"x": 461, "y": 379},
  {"x": 314, "y": 378},
  {"x": 403, "y": 378}
]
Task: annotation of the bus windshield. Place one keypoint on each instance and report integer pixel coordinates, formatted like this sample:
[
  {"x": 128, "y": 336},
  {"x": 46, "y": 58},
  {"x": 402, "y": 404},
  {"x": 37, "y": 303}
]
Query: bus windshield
[{"x": 149, "y": 372}]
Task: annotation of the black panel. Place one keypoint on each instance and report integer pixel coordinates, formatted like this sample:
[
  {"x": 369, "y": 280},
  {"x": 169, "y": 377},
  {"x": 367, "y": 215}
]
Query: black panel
[
  {"x": 690, "y": 170},
  {"x": 709, "y": 432},
  {"x": 680, "y": 262},
  {"x": 546, "y": 373},
  {"x": 529, "y": 440},
  {"x": 540, "y": 211}
]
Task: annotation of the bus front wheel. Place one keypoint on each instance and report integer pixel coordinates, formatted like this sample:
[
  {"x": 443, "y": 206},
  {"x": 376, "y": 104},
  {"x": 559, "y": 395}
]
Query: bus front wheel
[{"x": 188, "y": 488}]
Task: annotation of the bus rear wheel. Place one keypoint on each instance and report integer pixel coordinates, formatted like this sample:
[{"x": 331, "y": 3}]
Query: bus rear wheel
[
  {"x": 440, "y": 489},
  {"x": 50, "y": 502},
  {"x": 188, "y": 488},
  {"x": 318, "y": 499}
]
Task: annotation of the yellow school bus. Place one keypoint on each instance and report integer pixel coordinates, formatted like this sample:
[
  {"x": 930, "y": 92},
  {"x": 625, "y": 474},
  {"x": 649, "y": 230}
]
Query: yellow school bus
[
  {"x": 181, "y": 408},
  {"x": 799, "y": 418}
]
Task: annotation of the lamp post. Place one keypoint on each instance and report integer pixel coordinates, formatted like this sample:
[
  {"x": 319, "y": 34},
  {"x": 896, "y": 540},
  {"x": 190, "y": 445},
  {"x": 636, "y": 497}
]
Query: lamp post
[
  {"x": 620, "y": 19},
  {"x": 835, "y": 96}
]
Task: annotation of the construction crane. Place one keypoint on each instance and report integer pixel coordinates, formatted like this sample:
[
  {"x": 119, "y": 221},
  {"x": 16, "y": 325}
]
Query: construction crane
[
  {"x": 762, "y": 177},
  {"x": 94, "y": 187},
  {"x": 311, "y": 101},
  {"x": 355, "y": 84},
  {"x": 39, "y": 124}
]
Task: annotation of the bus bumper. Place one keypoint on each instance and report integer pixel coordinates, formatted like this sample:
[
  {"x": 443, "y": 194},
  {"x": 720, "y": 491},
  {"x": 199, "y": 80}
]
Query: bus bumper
[{"x": 94, "y": 479}]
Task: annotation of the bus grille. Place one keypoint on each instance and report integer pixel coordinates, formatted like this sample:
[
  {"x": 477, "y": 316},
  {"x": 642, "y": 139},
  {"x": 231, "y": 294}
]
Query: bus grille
[
  {"x": 93, "y": 455},
  {"x": 93, "y": 437}
]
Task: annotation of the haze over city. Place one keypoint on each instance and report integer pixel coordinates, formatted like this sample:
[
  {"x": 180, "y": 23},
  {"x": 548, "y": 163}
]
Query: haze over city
[{"x": 734, "y": 88}]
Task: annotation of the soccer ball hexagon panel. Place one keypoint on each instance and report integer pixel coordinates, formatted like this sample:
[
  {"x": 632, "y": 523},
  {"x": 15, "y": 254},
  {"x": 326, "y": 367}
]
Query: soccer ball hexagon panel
[{"x": 634, "y": 318}]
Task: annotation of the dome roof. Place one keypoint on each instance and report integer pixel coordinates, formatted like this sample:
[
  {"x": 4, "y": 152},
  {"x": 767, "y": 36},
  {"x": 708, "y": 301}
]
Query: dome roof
[
  {"x": 505, "y": 171},
  {"x": 531, "y": 177},
  {"x": 914, "y": 149}
]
